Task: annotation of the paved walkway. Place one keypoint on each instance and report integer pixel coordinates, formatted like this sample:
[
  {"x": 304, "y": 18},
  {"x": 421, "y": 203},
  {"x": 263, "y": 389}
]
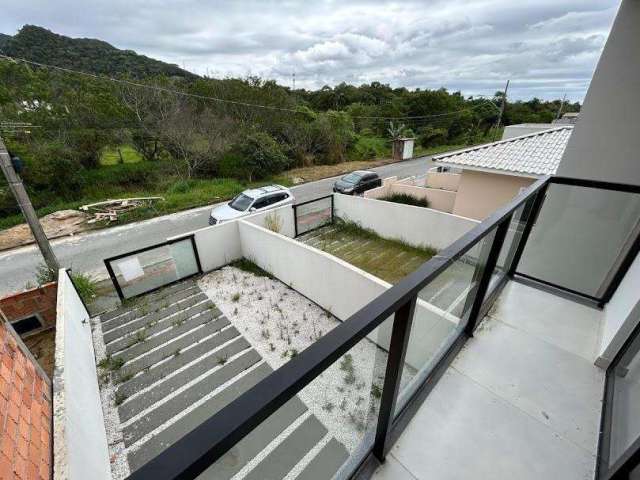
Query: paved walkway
[{"x": 181, "y": 361}]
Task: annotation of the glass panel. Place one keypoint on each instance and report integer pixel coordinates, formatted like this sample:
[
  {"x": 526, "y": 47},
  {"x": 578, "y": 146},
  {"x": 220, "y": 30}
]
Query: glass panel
[
  {"x": 580, "y": 235},
  {"x": 511, "y": 241},
  {"x": 325, "y": 431},
  {"x": 440, "y": 317},
  {"x": 313, "y": 215},
  {"x": 154, "y": 268},
  {"x": 625, "y": 414}
]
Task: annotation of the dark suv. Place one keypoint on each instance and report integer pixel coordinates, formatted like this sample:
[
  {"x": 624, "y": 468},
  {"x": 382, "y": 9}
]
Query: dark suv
[{"x": 357, "y": 182}]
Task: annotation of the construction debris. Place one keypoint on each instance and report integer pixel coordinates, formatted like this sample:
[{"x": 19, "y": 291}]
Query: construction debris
[
  {"x": 109, "y": 210},
  {"x": 56, "y": 224}
]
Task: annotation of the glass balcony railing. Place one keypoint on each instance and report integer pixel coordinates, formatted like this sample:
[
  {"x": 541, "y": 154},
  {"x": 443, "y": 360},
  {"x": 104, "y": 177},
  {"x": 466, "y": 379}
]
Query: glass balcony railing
[{"x": 344, "y": 400}]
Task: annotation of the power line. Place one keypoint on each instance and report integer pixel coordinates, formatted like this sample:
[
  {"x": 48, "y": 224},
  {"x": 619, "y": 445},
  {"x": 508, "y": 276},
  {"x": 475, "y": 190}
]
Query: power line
[{"x": 220, "y": 100}]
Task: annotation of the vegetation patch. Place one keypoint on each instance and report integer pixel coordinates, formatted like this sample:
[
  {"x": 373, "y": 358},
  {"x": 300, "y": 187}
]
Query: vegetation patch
[
  {"x": 388, "y": 259},
  {"x": 406, "y": 199},
  {"x": 247, "y": 265}
]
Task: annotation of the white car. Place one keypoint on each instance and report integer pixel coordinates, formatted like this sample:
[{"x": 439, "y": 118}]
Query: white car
[{"x": 250, "y": 201}]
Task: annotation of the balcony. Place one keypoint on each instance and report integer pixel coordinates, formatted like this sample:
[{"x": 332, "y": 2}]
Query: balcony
[
  {"x": 521, "y": 400},
  {"x": 480, "y": 362}
]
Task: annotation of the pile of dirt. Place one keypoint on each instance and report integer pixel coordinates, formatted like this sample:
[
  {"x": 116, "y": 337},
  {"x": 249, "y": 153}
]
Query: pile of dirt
[{"x": 56, "y": 224}]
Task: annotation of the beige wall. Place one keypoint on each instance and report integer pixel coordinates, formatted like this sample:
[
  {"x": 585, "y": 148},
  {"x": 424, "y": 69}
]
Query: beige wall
[
  {"x": 445, "y": 181},
  {"x": 441, "y": 200},
  {"x": 481, "y": 193}
]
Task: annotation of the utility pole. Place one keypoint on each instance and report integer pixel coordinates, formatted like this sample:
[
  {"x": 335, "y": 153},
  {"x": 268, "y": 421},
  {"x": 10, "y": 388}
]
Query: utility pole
[
  {"x": 564, "y": 98},
  {"x": 21, "y": 196},
  {"x": 502, "y": 107}
]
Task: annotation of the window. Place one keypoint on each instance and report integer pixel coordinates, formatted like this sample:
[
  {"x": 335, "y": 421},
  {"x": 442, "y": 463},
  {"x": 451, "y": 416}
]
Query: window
[
  {"x": 26, "y": 325},
  {"x": 351, "y": 178},
  {"x": 241, "y": 202}
]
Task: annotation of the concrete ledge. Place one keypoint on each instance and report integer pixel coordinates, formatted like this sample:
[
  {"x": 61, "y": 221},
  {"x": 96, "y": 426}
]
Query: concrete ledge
[{"x": 80, "y": 449}]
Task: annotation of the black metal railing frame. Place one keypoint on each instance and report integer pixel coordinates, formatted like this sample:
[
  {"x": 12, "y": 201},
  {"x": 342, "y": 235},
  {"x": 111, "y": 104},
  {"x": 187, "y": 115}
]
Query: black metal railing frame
[
  {"x": 295, "y": 214},
  {"x": 204, "y": 445},
  {"x": 114, "y": 278}
]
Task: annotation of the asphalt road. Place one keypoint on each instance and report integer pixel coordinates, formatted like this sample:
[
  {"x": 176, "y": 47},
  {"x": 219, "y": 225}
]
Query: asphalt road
[{"x": 85, "y": 252}]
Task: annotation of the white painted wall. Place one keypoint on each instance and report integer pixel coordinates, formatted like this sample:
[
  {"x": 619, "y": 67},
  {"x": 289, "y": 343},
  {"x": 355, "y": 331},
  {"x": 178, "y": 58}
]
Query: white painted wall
[
  {"x": 80, "y": 441},
  {"x": 580, "y": 231},
  {"x": 285, "y": 214},
  {"x": 344, "y": 289},
  {"x": 218, "y": 245},
  {"x": 621, "y": 315},
  {"x": 414, "y": 225}
]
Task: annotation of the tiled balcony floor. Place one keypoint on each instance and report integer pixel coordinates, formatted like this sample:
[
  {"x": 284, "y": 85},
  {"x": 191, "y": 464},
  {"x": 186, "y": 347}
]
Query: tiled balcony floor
[{"x": 522, "y": 399}]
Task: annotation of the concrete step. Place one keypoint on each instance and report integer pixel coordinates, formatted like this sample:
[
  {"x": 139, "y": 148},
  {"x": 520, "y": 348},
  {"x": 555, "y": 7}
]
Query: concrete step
[
  {"x": 157, "y": 373},
  {"x": 178, "y": 318},
  {"x": 156, "y": 444},
  {"x": 172, "y": 407},
  {"x": 164, "y": 389},
  {"x": 151, "y": 318},
  {"x": 131, "y": 306},
  {"x": 128, "y": 305},
  {"x": 287, "y": 454},
  {"x": 169, "y": 349},
  {"x": 171, "y": 331},
  {"x": 326, "y": 462},
  {"x": 251, "y": 445}
]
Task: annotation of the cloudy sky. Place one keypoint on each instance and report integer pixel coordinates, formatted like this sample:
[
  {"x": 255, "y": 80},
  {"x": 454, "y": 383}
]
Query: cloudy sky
[{"x": 546, "y": 47}]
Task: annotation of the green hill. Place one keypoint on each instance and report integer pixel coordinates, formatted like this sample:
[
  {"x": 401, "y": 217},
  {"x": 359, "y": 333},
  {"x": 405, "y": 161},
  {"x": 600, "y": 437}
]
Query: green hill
[{"x": 41, "y": 45}]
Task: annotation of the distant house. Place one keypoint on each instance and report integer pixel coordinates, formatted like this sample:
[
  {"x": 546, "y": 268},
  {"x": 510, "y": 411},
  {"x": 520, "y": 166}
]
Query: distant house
[{"x": 492, "y": 174}]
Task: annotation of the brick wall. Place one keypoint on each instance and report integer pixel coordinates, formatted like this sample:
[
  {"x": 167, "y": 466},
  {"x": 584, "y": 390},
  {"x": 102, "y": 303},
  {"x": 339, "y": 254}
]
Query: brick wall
[
  {"x": 25, "y": 413},
  {"x": 41, "y": 300}
]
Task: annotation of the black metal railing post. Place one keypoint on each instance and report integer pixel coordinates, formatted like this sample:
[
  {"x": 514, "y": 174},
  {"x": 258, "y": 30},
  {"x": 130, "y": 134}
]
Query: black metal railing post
[
  {"x": 295, "y": 220},
  {"x": 400, "y": 333},
  {"x": 538, "y": 200},
  {"x": 487, "y": 273},
  {"x": 331, "y": 209},
  {"x": 114, "y": 279}
]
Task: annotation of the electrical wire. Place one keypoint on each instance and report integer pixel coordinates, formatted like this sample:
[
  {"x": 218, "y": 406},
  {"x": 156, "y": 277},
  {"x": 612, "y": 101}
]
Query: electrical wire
[{"x": 222, "y": 100}]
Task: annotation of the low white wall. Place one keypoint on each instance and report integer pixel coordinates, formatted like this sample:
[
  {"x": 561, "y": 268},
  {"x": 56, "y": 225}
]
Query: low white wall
[
  {"x": 417, "y": 226},
  {"x": 79, "y": 441},
  {"x": 286, "y": 216},
  {"x": 621, "y": 315},
  {"x": 343, "y": 288},
  {"x": 217, "y": 245}
]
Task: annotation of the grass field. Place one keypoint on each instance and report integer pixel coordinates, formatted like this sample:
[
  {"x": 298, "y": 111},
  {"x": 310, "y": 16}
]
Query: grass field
[
  {"x": 179, "y": 195},
  {"x": 110, "y": 156},
  {"x": 139, "y": 178}
]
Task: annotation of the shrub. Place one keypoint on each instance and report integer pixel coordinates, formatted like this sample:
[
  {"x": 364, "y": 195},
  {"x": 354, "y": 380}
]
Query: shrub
[
  {"x": 406, "y": 199},
  {"x": 432, "y": 137},
  {"x": 273, "y": 222},
  {"x": 44, "y": 274},
  {"x": 259, "y": 156},
  {"x": 85, "y": 285},
  {"x": 181, "y": 186}
]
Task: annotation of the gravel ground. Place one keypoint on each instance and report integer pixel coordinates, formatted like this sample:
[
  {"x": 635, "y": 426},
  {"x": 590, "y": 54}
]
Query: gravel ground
[{"x": 279, "y": 323}]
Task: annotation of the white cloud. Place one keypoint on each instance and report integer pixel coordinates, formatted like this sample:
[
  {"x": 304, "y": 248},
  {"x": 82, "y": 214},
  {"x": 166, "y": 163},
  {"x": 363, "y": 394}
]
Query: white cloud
[{"x": 546, "y": 47}]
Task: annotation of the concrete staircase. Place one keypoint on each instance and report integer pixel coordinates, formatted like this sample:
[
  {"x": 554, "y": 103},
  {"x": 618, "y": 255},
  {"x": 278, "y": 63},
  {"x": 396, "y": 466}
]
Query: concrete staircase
[{"x": 180, "y": 361}]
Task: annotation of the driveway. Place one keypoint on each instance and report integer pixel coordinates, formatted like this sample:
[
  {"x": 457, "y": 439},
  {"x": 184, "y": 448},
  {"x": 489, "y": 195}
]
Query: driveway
[{"x": 85, "y": 252}]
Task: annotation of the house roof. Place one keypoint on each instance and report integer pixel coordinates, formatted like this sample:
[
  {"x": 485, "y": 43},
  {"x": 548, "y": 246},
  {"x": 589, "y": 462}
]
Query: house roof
[{"x": 537, "y": 153}]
